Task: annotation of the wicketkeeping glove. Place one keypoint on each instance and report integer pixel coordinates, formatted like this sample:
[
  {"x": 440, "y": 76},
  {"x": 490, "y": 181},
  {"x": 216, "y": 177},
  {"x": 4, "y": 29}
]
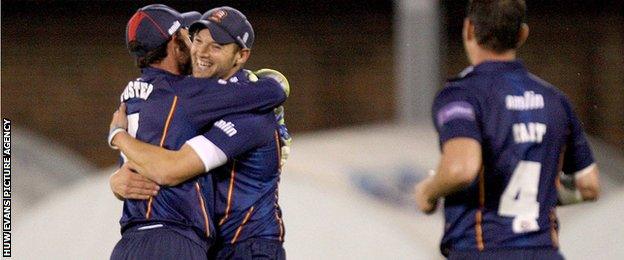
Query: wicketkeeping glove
[
  {"x": 285, "y": 138},
  {"x": 251, "y": 76},
  {"x": 276, "y": 75}
]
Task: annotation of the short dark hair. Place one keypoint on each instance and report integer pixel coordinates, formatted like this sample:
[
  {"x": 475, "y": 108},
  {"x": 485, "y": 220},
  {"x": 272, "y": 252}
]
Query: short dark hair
[
  {"x": 497, "y": 22},
  {"x": 150, "y": 57},
  {"x": 153, "y": 56}
]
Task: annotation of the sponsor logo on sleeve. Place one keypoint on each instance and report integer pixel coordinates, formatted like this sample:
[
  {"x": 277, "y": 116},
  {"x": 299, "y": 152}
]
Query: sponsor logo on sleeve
[
  {"x": 226, "y": 127},
  {"x": 455, "y": 110}
]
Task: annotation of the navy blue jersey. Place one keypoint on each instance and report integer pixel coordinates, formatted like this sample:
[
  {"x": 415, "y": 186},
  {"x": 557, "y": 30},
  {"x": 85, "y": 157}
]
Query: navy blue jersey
[
  {"x": 247, "y": 185},
  {"x": 528, "y": 133},
  {"x": 166, "y": 110}
]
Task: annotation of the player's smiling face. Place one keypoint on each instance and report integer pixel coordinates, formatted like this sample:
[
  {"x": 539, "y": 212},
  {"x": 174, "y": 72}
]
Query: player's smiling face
[{"x": 211, "y": 59}]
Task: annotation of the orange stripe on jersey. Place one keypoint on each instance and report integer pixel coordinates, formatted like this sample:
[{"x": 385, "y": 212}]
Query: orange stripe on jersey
[
  {"x": 202, "y": 205},
  {"x": 479, "y": 230},
  {"x": 479, "y": 214},
  {"x": 162, "y": 142},
  {"x": 230, "y": 192},
  {"x": 149, "y": 208},
  {"x": 169, "y": 117},
  {"x": 482, "y": 188},
  {"x": 554, "y": 236},
  {"x": 279, "y": 149},
  {"x": 240, "y": 228}
]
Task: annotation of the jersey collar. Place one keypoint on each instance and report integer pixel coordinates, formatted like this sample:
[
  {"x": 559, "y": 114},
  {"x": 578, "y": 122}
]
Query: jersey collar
[
  {"x": 151, "y": 71},
  {"x": 239, "y": 76},
  {"x": 489, "y": 66}
]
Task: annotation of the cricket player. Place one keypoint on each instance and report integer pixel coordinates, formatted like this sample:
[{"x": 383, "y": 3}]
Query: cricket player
[
  {"x": 242, "y": 152},
  {"x": 505, "y": 136},
  {"x": 166, "y": 108}
]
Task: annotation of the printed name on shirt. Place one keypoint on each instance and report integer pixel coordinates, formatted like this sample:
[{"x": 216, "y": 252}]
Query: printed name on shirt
[
  {"x": 528, "y": 101},
  {"x": 136, "y": 89},
  {"x": 529, "y": 132},
  {"x": 227, "y": 127}
]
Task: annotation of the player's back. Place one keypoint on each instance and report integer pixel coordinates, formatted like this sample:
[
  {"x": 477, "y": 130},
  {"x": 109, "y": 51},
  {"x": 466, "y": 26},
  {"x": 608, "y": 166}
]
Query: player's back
[
  {"x": 247, "y": 186},
  {"x": 153, "y": 117},
  {"x": 523, "y": 125}
]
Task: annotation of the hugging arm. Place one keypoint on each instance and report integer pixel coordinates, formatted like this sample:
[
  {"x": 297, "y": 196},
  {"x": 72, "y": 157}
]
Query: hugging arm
[{"x": 198, "y": 155}]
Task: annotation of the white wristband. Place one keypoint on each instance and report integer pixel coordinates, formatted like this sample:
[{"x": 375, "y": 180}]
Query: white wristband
[{"x": 112, "y": 134}]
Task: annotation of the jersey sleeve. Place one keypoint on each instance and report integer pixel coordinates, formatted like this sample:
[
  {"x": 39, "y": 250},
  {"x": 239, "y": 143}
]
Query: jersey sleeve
[
  {"x": 206, "y": 101},
  {"x": 455, "y": 114},
  {"x": 233, "y": 136},
  {"x": 578, "y": 155}
]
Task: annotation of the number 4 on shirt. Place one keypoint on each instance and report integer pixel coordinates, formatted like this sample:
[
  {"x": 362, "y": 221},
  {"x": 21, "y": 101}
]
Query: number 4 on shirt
[{"x": 519, "y": 200}]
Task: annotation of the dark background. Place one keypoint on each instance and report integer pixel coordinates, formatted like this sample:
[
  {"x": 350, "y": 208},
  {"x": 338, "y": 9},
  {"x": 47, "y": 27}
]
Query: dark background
[{"x": 64, "y": 63}]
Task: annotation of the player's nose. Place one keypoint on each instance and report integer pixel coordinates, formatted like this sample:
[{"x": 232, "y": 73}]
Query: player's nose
[
  {"x": 203, "y": 52},
  {"x": 198, "y": 49}
]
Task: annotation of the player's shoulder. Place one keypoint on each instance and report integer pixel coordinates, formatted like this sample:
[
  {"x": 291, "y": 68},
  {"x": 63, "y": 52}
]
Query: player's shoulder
[
  {"x": 254, "y": 120},
  {"x": 202, "y": 88},
  {"x": 138, "y": 88},
  {"x": 190, "y": 84},
  {"x": 461, "y": 86},
  {"x": 468, "y": 80},
  {"x": 466, "y": 73},
  {"x": 545, "y": 85},
  {"x": 553, "y": 93},
  {"x": 260, "y": 126},
  {"x": 192, "y": 81},
  {"x": 151, "y": 82}
]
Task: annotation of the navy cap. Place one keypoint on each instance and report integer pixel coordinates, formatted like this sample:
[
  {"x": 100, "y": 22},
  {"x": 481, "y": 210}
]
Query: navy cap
[
  {"x": 153, "y": 25},
  {"x": 226, "y": 25}
]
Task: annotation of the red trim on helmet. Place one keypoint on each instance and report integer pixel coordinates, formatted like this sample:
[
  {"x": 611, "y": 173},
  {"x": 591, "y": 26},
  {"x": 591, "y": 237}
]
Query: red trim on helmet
[
  {"x": 134, "y": 24},
  {"x": 166, "y": 36}
]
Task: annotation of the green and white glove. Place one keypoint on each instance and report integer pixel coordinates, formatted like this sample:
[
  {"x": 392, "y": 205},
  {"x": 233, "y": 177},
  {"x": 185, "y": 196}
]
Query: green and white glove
[
  {"x": 284, "y": 136},
  {"x": 276, "y": 75},
  {"x": 251, "y": 76}
]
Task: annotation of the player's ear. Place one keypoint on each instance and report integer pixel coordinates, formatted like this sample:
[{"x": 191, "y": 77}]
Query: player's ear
[
  {"x": 184, "y": 36},
  {"x": 176, "y": 42},
  {"x": 523, "y": 34},
  {"x": 468, "y": 30},
  {"x": 182, "y": 40},
  {"x": 242, "y": 56},
  {"x": 172, "y": 47}
]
